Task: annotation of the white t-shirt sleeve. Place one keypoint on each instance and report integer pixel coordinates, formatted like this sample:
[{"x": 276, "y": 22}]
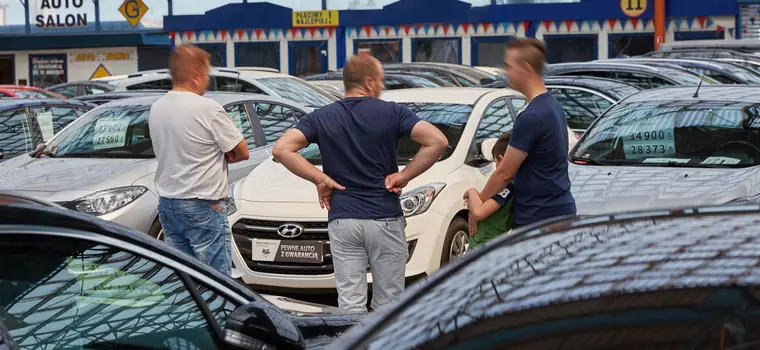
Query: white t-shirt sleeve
[{"x": 226, "y": 134}]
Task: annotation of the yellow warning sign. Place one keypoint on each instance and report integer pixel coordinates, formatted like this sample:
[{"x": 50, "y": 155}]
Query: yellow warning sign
[
  {"x": 133, "y": 11},
  {"x": 100, "y": 72},
  {"x": 633, "y": 8}
]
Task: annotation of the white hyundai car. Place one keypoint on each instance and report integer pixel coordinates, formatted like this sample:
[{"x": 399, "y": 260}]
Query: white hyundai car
[{"x": 278, "y": 209}]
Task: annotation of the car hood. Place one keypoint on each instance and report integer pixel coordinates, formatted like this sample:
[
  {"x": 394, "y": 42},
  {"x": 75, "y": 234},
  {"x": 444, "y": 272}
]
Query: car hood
[
  {"x": 40, "y": 176},
  {"x": 609, "y": 189}
]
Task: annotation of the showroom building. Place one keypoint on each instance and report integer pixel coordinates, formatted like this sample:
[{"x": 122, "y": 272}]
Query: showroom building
[{"x": 307, "y": 42}]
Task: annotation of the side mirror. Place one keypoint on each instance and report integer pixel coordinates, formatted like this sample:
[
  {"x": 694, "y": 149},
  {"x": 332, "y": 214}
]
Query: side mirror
[
  {"x": 261, "y": 325},
  {"x": 486, "y": 149},
  {"x": 487, "y": 81}
]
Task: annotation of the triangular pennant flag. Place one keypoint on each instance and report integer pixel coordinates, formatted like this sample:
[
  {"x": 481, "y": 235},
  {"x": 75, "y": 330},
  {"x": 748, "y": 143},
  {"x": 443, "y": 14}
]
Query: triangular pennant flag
[
  {"x": 719, "y": 29},
  {"x": 709, "y": 22},
  {"x": 172, "y": 35},
  {"x": 591, "y": 24},
  {"x": 446, "y": 29},
  {"x": 427, "y": 28},
  {"x": 526, "y": 26},
  {"x": 240, "y": 34},
  {"x": 547, "y": 25},
  {"x": 623, "y": 22},
  {"x": 731, "y": 32},
  {"x": 579, "y": 23},
  {"x": 189, "y": 34},
  {"x": 690, "y": 21},
  {"x": 303, "y": 32},
  {"x": 258, "y": 33},
  {"x": 557, "y": 24},
  {"x": 601, "y": 23},
  {"x": 367, "y": 30},
  {"x": 387, "y": 31},
  {"x": 465, "y": 27},
  {"x": 293, "y": 32},
  {"x": 677, "y": 23},
  {"x": 223, "y": 34},
  {"x": 435, "y": 27},
  {"x": 330, "y": 31},
  {"x": 349, "y": 31},
  {"x": 702, "y": 21},
  {"x": 206, "y": 34},
  {"x": 486, "y": 26},
  {"x": 645, "y": 23},
  {"x": 516, "y": 25},
  {"x": 505, "y": 26},
  {"x": 251, "y": 34},
  {"x": 406, "y": 29},
  {"x": 312, "y": 31},
  {"x": 612, "y": 22},
  {"x": 322, "y": 32},
  {"x": 635, "y": 22},
  {"x": 266, "y": 33},
  {"x": 569, "y": 25}
]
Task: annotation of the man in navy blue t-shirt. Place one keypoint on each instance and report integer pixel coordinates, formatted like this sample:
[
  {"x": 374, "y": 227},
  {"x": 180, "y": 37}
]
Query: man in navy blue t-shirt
[
  {"x": 537, "y": 154},
  {"x": 360, "y": 186}
]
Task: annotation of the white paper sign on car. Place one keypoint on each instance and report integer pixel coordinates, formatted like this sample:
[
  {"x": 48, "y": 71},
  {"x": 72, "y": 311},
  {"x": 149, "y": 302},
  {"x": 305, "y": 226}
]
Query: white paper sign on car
[
  {"x": 45, "y": 120},
  {"x": 649, "y": 137},
  {"x": 110, "y": 133},
  {"x": 721, "y": 160}
]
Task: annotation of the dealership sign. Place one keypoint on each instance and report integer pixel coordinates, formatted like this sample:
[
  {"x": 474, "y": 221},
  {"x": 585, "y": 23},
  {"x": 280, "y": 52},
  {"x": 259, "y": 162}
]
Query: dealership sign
[
  {"x": 51, "y": 19},
  {"x": 324, "y": 18}
]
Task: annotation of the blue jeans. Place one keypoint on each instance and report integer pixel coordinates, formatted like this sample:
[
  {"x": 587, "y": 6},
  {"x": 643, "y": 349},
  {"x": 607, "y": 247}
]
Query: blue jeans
[{"x": 198, "y": 229}]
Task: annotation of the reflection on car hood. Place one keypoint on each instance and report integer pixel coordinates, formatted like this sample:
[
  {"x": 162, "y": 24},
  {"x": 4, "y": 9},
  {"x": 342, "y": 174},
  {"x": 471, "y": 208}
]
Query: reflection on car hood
[
  {"x": 24, "y": 173},
  {"x": 607, "y": 189}
]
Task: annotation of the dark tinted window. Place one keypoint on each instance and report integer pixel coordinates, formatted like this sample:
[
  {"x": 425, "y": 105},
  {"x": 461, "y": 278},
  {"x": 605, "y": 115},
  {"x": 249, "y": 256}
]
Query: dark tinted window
[
  {"x": 436, "y": 50},
  {"x": 275, "y": 120},
  {"x": 239, "y": 116},
  {"x": 33, "y": 94},
  {"x": 643, "y": 81},
  {"x": 15, "y": 135},
  {"x": 564, "y": 48},
  {"x": 72, "y": 294},
  {"x": 235, "y": 85},
  {"x": 257, "y": 55},
  {"x": 630, "y": 45},
  {"x": 93, "y": 89},
  {"x": 395, "y": 84},
  {"x": 159, "y": 84},
  {"x": 581, "y": 107},
  {"x": 385, "y": 52}
]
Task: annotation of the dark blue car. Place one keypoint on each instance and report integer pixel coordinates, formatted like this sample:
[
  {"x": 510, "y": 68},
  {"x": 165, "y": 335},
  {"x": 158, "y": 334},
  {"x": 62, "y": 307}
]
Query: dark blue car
[{"x": 26, "y": 123}]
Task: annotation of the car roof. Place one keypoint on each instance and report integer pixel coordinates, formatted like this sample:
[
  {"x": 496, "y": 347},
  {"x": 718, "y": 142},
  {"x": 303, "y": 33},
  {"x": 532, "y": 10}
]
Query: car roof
[
  {"x": 732, "y": 92},
  {"x": 223, "y": 98},
  {"x": 18, "y": 87},
  {"x": 81, "y": 82},
  {"x": 6, "y": 104},
  {"x": 600, "y": 64},
  {"x": 614, "y": 88},
  {"x": 454, "y": 95}
]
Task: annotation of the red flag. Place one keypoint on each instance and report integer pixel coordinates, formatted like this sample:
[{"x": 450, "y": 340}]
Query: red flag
[
  {"x": 367, "y": 29},
  {"x": 719, "y": 29},
  {"x": 293, "y": 32},
  {"x": 387, "y": 31},
  {"x": 486, "y": 26},
  {"x": 466, "y": 27},
  {"x": 189, "y": 34},
  {"x": 330, "y": 31},
  {"x": 635, "y": 22},
  {"x": 406, "y": 29},
  {"x": 612, "y": 23},
  {"x": 258, "y": 33},
  {"x": 526, "y": 26},
  {"x": 240, "y": 34},
  {"x": 172, "y": 35},
  {"x": 547, "y": 25},
  {"x": 445, "y": 29},
  {"x": 568, "y": 24},
  {"x": 224, "y": 34},
  {"x": 701, "y": 21},
  {"x": 312, "y": 31}
]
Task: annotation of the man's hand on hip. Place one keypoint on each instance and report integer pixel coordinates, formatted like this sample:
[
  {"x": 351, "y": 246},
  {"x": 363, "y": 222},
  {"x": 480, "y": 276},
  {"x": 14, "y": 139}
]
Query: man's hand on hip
[
  {"x": 396, "y": 182},
  {"x": 325, "y": 188}
]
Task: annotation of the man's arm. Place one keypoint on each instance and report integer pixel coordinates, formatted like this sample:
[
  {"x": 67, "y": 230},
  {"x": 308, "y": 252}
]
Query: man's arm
[
  {"x": 239, "y": 153},
  {"x": 286, "y": 151},
  {"x": 433, "y": 144},
  {"x": 504, "y": 173},
  {"x": 228, "y": 137}
]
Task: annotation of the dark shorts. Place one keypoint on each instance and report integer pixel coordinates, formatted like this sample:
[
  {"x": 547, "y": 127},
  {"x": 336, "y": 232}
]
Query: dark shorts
[{"x": 198, "y": 229}]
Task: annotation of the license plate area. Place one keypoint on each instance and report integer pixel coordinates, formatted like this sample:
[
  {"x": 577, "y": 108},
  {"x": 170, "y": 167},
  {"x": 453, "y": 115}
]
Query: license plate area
[{"x": 287, "y": 251}]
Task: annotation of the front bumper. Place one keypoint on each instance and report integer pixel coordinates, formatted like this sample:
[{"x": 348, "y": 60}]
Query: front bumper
[{"x": 423, "y": 236}]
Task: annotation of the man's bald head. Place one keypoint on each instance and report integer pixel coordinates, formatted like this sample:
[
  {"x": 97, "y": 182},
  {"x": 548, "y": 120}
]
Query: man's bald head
[
  {"x": 190, "y": 65},
  {"x": 363, "y": 72},
  {"x": 530, "y": 51}
]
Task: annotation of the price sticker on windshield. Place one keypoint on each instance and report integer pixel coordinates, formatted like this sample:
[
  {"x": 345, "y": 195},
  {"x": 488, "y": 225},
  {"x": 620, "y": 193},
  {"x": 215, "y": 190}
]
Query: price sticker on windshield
[
  {"x": 651, "y": 137},
  {"x": 45, "y": 120},
  {"x": 110, "y": 133}
]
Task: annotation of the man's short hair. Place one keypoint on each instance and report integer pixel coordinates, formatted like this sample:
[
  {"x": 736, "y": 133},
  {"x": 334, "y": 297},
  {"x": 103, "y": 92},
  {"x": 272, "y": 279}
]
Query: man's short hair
[
  {"x": 500, "y": 147},
  {"x": 357, "y": 69},
  {"x": 187, "y": 59},
  {"x": 532, "y": 51}
]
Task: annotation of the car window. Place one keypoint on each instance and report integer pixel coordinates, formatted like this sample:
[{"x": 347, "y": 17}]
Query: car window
[
  {"x": 69, "y": 91},
  {"x": 74, "y": 294},
  {"x": 464, "y": 82},
  {"x": 581, "y": 107},
  {"x": 53, "y": 119},
  {"x": 240, "y": 117},
  {"x": 395, "y": 84},
  {"x": 31, "y": 94},
  {"x": 294, "y": 90},
  {"x": 236, "y": 85},
  {"x": 497, "y": 119},
  {"x": 94, "y": 90},
  {"x": 160, "y": 84},
  {"x": 643, "y": 81},
  {"x": 519, "y": 104},
  {"x": 15, "y": 135},
  {"x": 275, "y": 120}
]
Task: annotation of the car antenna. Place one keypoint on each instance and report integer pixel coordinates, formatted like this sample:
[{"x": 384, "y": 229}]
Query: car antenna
[{"x": 702, "y": 78}]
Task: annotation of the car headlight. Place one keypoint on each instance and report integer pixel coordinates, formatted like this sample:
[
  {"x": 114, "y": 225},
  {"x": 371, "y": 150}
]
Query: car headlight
[
  {"x": 104, "y": 202},
  {"x": 755, "y": 199},
  {"x": 418, "y": 200}
]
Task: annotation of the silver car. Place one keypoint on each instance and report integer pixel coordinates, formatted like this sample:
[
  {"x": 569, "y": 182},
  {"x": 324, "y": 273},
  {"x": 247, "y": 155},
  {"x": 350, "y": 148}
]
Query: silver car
[
  {"x": 668, "y": 148},
  {"x": 103, "y": 163}
]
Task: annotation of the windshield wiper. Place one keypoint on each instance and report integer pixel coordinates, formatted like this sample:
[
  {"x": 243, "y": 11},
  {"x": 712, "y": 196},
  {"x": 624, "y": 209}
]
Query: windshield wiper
[{"x": 673, "y": 164}]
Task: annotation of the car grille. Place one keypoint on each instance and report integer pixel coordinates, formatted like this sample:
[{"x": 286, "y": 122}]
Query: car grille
[{"x": 246, "y": 229}]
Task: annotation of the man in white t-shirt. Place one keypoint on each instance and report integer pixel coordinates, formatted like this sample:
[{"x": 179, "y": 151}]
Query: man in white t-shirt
[{"x": 194, "y": 140}]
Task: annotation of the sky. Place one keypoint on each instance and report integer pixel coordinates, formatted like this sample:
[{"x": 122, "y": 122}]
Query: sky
[{"x": 109, "y": 9}]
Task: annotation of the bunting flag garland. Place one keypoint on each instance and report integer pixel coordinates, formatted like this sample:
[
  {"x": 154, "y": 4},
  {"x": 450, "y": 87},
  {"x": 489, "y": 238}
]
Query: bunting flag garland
[
  {"x": 701, "y": 21},
  {"x": 579, "y": 23},
  {"x": 426, "y": 28},
  {"x": 557, "y": 25},
  {"x": 406, "y": 29},
  {"x": 526, "y": 26},
  {"x": 446, "y": 29},
  {"x": 612, "y": 23},
  {"x": 547, "y": 25},
  {"x": 623, "y": 22},
  {"x": 322, "y": 32},
  {"x": 349, "y": 31},
  {"x": 303, "y": 33},
  {"x": 690, "y": 21},
  {"x": 223, "y": 34},
  {"x": 709, "y": 22},
  {"x": 435, "y": 28},
  {"x": 601, "y": 23},
  {"x": 172, "y": 35},
  {"x": 677, "y": 23},
  {"x": 293, "y": 32},
  {"x": 635, "y": 23},
  {"x": 258, "y": 33},
  {"x": 731, "y": 32},
  {"x": 486, "y": 26},
  {"x": 465, "y": 26},
  {"x": 516, "y": 25},
  {"x": 505, "y": 25},
  {"x": 277, "y": 32},
  {"x": 569, "y": 25},
  {"x": 367, "y": 30},
  {"x": 719, "y": 29},
  {"x": 239, "y": 33},
  {"x": 188, "y": 35},
  {"x": 388, "y": 31},
  {"x": 312, "y": 31},
  {"x": 330, "y": 31},
  {"x": 591, "y": 24},
  {"x": 668, "y": 22}
]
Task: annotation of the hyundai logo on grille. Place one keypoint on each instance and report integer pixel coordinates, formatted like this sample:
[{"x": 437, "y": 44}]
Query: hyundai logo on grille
[{"x": 290, "y": 230}]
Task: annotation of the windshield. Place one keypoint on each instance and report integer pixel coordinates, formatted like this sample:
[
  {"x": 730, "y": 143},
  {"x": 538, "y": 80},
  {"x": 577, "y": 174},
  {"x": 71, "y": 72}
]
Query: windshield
[
  {"x": 685, "y": 77},
  {"x": 686, "y": 133},
  {"x": 110, "y": 132},
  {"x": 421, "y": 82},
  {"x": 743, "y": 73},
  {"x": 294, "y": 90},
  {"x": 450, "y": 118}
]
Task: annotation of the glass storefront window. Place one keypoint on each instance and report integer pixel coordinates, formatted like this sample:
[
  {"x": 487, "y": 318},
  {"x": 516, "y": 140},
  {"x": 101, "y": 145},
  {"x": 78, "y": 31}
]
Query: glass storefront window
[
  {"x": 491, "y": 54},
  {"x": 436, "y": 50},
  {"x": 565, "y": 48},
  {"x": 385, "y": 51},
  {"x": 218, "y": 53},
  {"x": 308, "y": 59},
  {"x": 625, "y": 45},
  {"x": 257, "y": 55}
]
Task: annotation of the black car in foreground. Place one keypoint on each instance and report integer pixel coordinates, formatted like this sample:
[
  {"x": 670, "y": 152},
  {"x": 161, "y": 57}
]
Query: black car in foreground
[
  {"x": 664, "y": 279},
  {"x": 72, "y": 281}
]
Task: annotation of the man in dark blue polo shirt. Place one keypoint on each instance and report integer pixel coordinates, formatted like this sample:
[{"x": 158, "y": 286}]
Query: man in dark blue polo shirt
[
  {"x": 537, "y": 154},
  {"x": 360, "y": 186}
]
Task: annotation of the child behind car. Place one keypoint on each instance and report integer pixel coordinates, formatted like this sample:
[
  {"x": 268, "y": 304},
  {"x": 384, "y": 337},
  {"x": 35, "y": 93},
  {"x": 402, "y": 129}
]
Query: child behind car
[{"x": 493, "y": 217}]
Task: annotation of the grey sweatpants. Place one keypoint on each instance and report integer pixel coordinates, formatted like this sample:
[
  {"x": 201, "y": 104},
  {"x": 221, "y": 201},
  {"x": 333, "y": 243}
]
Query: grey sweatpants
[{"x": 354, "y": 243}]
